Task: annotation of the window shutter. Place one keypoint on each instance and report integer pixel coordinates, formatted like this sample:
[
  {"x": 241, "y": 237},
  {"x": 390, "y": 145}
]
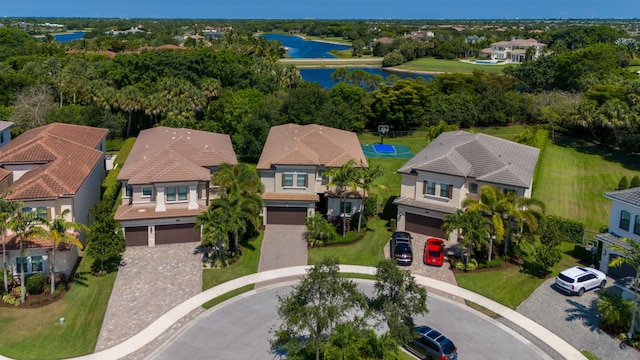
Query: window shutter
[
  {"x": 282, "y": 180},
  {"x": 424, "y": 187},
  {"x": 49, "y": 214},
  {"x": 450, "y": 191},
  {"x": 306, "y": 180}
]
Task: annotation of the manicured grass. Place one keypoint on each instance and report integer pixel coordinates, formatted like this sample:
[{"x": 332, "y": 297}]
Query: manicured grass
[
  {"x": 37, "y": 334},
  {"x": 248, "y": 264},
  {"x": 447, "y": 66},
  {"x": 367, "y": 252},
  {"x": 222, "y": 298},
  {"x": 511, "y": 286},
  {"x": 335, "y": 39},
  {"x": 573, "y": 176},
  {"x": 589, "y": 355}
]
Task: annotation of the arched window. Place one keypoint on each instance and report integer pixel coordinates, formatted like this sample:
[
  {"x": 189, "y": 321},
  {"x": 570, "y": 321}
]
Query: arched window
[
  {"x": 625, "y": 219},
  {"x": 26, "y": 210}
]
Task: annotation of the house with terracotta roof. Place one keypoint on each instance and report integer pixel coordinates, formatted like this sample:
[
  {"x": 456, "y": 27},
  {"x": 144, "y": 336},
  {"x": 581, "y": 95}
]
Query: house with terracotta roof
[
  {"x": 166, "y": 183},
  {"x": 5, "y": 132},
  {"x": 624, "y": 222},
  {"x": 456, "y": 165},
  {"x": 514, "y": 50},
  {"x": 51, "y": 169},
  {"x": 291, "y": 168}
]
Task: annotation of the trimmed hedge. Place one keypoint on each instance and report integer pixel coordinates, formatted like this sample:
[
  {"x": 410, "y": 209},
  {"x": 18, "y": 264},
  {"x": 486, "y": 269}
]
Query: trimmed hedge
[
  {"x": 350, "y": 237},
  {"x": 563, "y": 229},
  {"x": 111, "y": 186},
  {"x": 540, "y": 138}
]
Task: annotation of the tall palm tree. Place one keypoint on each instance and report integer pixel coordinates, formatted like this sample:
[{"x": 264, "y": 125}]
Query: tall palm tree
[
  {"x": 630, "y": 255},
  {"x": 453, "y": 222},
  {"x": 495, "y": 206},
  {"x": 230, "y": 178},
  {"x": 58, "y": 228},
  {"x": 25, "y": 226},
  {"x": 345, "y": 179},
  {"x": 615, "y": 115},
  {"x": 368, "y": 176},
  {"x": 129, "y": 99},
  {"x": 7, "y": 211},
  {"x": 527, "y": 214},
  {"x": 475, "y": 231},
  {"x": 215, "y": 230}
]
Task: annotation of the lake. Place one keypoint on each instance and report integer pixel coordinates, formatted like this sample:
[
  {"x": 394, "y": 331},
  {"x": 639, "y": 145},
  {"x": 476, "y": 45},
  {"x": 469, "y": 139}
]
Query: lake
[
  {"x": 62, "y": 38},
  {"x": 301, "y": 48}
]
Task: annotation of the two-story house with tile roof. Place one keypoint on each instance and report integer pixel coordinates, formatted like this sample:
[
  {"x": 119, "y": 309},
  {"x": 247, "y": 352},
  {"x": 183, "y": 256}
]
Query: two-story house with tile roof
[
  {"x": 624, "y": 222},
  {"x": 53, "y": 168},
  {"x": 291, "y": 168},
  {"x": 456, "y": 165},
  {"x": 166, "y": 184}
]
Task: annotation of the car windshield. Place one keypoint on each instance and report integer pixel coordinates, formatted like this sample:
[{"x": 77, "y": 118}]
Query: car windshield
[
  {"x": 564, "y": 277},
  {"x": 447, "y": 346},
  {"x": 434, "y": 253},
  {"x": 403, "y": 248}
]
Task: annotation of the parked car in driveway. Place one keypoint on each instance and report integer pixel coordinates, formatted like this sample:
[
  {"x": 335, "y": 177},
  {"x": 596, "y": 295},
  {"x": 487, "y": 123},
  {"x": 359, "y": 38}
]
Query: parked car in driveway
[
  {"x": 577, "y": 280},
  {"x": 400, "y": 245},
  {"x": 434, "y": 252},
  {"x": 430, "y": 344}
]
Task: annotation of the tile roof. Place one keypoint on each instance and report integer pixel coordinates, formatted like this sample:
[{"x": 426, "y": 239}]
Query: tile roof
[
  {"x": 68, "y": 153},
  {"x": 629, "y": 196},
  {"x": 5, "y": 124},
  {"x": 292, "y": 144},
  {"x": 164, "y": 154},
  {"x": 291, "y": 197},
  {"x": 12, "y": 243},
  {"x": 137, "y": 212},
  {"x": 483, "y": 157}
]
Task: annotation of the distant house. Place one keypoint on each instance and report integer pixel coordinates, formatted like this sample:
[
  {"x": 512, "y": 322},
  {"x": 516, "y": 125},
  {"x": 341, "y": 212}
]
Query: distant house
[
  {"x": 420, "y": 35},
  {"x": 132, "y": 30},
  {"x": 456, "y": 165},
  {"x": 292, "y": 166},
  {"x": 624, "y": 222},
  {"x": 514, "y": 50},
  {"x": 51, "y": 169},
  {"x": 166, "y": 183},
  {"x": 5, "y": 132}
]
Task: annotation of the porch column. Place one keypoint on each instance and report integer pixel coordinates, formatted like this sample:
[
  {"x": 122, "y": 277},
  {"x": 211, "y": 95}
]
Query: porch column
[
  {"x": 160, "y": 199},
  {"x": 193, "y": 197}
]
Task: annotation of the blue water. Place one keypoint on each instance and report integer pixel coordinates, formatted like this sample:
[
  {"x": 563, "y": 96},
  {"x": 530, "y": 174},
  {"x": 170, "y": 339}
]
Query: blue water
[
  {"x": 62, "y": 38},
  {"x": 301, "y": 48},
  {"x": 323, "y": 76}
]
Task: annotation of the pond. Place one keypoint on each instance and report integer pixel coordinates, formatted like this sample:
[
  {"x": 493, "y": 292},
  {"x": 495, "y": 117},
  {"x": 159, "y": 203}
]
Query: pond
[
  {"x": 62, "y": 38},
  {"x": 301, "y": 48}
]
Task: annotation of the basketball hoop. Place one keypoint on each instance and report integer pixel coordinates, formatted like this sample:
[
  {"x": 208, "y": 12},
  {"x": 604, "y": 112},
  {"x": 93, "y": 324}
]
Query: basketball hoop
[{"x": 383, "y": 130}]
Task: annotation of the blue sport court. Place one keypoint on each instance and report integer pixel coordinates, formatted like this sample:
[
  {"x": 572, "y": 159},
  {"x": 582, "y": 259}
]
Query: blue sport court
[{"x": 386, "y": 151}]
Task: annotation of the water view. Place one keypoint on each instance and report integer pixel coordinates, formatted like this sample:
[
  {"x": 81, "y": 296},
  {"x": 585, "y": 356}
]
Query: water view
[
  {"x": 301, "y": 48},
  {"x": 62, "y": 38}
]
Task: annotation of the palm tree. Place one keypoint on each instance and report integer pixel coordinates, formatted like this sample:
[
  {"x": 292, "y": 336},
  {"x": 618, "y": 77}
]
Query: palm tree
[
  {"x": 368, "y": 177},
  {"x": 475, "y": 231},
  {"x": 527, "y": 214},
  {"x": 345, "y": 179},
  {"x": 58, "y": 228},
  {"x": 25, "y": 226},
  {"x": 615, "y": 115},
  {"x": 7, "y": 211},
  {"x": 215, "y": 230},
  {"x": 630, "y": 255},
  {"x": 129, "y": 99},
  {"x": 453, "y": 222},
  {"x": 495, "y": 206},
  {"x": 232, "y": 178}
]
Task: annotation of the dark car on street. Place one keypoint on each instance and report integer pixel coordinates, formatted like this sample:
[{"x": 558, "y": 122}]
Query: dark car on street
[{"x": 430, "y": 344}]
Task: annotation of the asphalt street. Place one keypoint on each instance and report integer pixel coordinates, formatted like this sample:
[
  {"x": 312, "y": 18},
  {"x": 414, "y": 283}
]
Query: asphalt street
[{"x": 241, "y": 329}]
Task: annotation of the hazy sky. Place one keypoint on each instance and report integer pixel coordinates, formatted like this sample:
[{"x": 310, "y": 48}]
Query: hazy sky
[{"x": 324, "y": 9}]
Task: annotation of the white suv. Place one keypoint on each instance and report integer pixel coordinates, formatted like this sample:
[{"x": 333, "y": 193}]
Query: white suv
[{"x": 577, "y": 280}]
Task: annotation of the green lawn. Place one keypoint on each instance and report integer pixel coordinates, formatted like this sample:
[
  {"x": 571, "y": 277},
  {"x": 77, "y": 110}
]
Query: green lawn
[
  {"x": 83, "y": 308},
  {"x": 447, "y": 66}
]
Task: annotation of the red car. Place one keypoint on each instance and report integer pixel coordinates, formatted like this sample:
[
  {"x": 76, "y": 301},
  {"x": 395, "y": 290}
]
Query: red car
[{"x": 434, "y": 252}]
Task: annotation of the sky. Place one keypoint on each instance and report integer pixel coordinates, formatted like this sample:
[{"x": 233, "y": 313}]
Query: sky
[{"x": 323, "y": 9}]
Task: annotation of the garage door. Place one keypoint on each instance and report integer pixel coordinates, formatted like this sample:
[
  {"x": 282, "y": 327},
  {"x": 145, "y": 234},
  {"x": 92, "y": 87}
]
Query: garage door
[
  {"x": 177, "y": 233},
  {"x": 424, "y": 225},
  {"x": 136, "y": 236},
  {"x": 286, "y": 216}
]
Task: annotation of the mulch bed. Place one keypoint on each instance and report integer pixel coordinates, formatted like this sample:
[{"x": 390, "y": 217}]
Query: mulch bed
[
  {"x": 37, "y": 301},
  {"x": 505, "y": 265}
]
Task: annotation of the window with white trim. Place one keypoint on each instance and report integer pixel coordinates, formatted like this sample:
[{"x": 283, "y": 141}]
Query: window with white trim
[
  {"x": 176, "y": 193},
  {"x": 129, "y": 191},
  {"x": 147, "y": 191},
  {"x": 294, "y": 180},
  {"x": 429, "y": 188},
  {"x": 625, "y": 219},
  {"x": 473, "y": 187},
  {"x": 30, "y": 264},
  {"x": 636, "y": 226}
]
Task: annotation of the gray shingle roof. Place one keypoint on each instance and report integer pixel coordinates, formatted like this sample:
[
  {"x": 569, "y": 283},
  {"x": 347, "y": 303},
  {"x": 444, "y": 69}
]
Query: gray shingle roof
[
  {"x": 483, "y": 157},
  {"x": 629, "y": 196}
]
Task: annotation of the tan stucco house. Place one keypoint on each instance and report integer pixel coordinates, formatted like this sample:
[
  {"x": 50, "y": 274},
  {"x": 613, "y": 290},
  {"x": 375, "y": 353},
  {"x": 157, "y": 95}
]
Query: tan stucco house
[
  {"x": 291, "y": 168},
  {"x": 456, "y": 165},
  {"x": 53, "y": 168},
  {"x": 166, "y": 183}
]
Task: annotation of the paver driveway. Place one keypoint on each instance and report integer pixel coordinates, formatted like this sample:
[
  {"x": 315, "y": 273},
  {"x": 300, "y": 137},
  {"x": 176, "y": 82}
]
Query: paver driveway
[
  {"x": 574, "y": 319},
  {"x": 150, "y": 282}
]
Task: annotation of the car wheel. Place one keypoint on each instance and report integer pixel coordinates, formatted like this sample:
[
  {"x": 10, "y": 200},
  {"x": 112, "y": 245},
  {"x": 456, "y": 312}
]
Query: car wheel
[
  {"x": 603, "y": 283},
  {"x": 581, "y": 291}
]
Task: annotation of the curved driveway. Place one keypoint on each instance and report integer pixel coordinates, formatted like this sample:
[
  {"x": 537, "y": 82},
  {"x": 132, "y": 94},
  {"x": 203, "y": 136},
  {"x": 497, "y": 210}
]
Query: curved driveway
[{"x": 241, "y": 328}]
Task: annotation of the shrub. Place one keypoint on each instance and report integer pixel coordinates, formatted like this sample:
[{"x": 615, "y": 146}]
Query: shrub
[
  {"x": 320, "y": 231},
  {"x": 11, "y": 300},
  {"x": 35, "y": 284},
  {"x": 349, "y": 237},
  {"x": 370, "y": 206},
  {"x": 458, "y": 264},
  {"x": 393, "y": 58},
  {"x": 635, "y": 182},
  {"x": 354, "y": 221},
  {"x": 496, "y": 262},
  {"x": 562, "y": 229},
  {"x": 614, "y": 312},
  {"x": 623, "y": 183},
  {"x": 114, "y": 145}
]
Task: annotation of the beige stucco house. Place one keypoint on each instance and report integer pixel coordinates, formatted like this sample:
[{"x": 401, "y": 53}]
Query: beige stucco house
[
  {"x": 53, "y": 168},
  {"x": 291, "y": 168},
  {"x": 454, "y": 166},
  {"x": 166, "y": 183}
]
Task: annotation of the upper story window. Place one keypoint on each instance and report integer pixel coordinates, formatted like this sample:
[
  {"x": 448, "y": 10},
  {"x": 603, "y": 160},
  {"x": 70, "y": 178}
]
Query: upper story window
[
  {"x": 429, "y": 188},
  {"x": 146, "y": 191},
  {"x": 625, "y": 219},
  {"x": 506, "y": 191},
  {"x": 129, "y": 191},
  {"x": 294, "y": 180},
  {"x": 41, "y": 211},
  {"x": 177, "y": 193},
  {"x": 1, "y": 137},
  {"x": 446, "y": 190},
  {"x": 636, "y": 226},
  {"x": 473, "y": 187}
]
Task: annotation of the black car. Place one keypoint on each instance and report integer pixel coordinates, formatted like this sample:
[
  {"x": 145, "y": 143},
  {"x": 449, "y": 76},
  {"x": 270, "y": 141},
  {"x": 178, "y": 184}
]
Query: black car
[
  {"x": 430, "y": 344},
  {"x": 400, "y": 245}
]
